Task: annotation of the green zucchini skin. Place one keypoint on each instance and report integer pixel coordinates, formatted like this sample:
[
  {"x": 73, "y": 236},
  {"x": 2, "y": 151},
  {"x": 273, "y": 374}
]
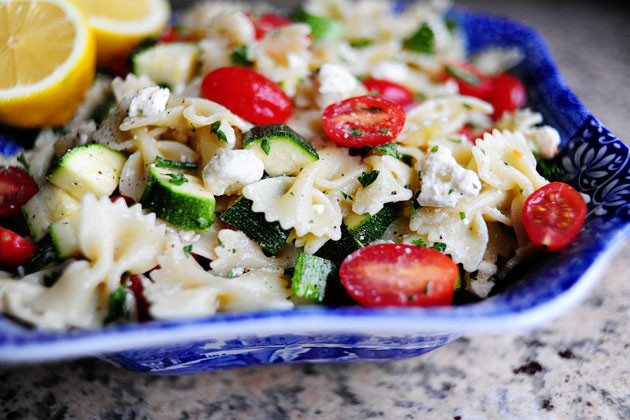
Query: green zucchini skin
[
  {"x": 311, "y": 276},
  {"x": 280, "y": 148},
  {"x": 359, "y": 232},
  {"x": 186, "y": 206},
  {"x": 269, "y": 235},
  {"x": 322, "y": 28}
]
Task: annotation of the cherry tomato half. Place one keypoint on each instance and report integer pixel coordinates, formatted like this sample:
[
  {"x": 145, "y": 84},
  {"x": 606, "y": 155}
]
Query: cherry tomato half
[
  {"x": 471, "y": 81},
  {"x": 508, "y": 94},
  {"x": 14, "y": 250},
  {"x": 363, "y": 121},
  {"x": 248, "y": 94},
  {"x": 137, "y": 288},
  {"x": 553, "y": 216},
  {"x": 399, "y": 275},
  {"x": 267, "y": 22},
  {"x": 391, "y": 91},
  {"x": 16, "y": 188}
]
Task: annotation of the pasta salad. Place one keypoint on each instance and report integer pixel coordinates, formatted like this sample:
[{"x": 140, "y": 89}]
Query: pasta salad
[{"x": 250, "y": 159}]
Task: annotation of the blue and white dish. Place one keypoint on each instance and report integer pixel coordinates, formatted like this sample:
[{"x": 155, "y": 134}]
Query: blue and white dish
[{"x": 597, "y": 162}]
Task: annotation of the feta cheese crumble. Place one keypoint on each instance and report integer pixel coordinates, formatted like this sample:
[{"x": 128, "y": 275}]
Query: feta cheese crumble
[
  {"x": 231, "y": 170},
  {"x": 149, "y": 101},
  {"x": 335, "y": 83},
  {"x": 444, "y": 181}
]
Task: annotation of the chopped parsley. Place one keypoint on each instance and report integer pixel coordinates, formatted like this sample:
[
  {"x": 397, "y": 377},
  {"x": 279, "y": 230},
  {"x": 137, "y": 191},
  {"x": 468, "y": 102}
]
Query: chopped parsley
[
  {"x": 230, "y": 275},
  {"x": 415, "y": 206},
  {"x": 117, "y": 303},
  {"x": 419, "y": 242},
  {"x": 265, "y": 146},
  {"x": 241, "y": 56},
  {"x": 550, "y": 170},
  {"x": 422, "y": 41},
  {"x": 187, "y": 250},
  {"x": 22, "y": 159},
  {"x": 463, "y": 75},
  {"x": 160, "y": 162},
  {"x": 384, "y": 131},
  {"x": 462, "y": 215},
  {"x": 411, "y": 298},
  {"x": 355, "y": 132},
  {"x": 214, "y": 128},
  {"x": 455, "y": 140},
  {"x": 407, "y": 160},
  {"x": 347, "y": 196},
  {"x": 420, "y": 96},
  {"x": 361, "y": 42},
  {"x": 439, "y": 246},
  {"x": 389, "y": 149},
  {"x": 434, "y": 149},
  {"x": 451, "y": 23},
  {"x": 450, "y": 191},
  {"x": 177, "y": 179},
  {"x": 467, "y": 106},
  {"x": 420, "y": 176},
  {"x": 368, "y": 178}
]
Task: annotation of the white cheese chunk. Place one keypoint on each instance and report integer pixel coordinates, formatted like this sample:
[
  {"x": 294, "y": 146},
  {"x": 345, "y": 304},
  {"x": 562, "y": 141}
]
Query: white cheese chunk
[
  {"x": 545, "y": 139},
  {"x": 444, "y": 181},
  {"x": 335, "y": 83},
  {"x": 149, "y": 101},
  {"x": 482, "y": 283},
  {"x": 231, "y": 170},
  {"x": 396, "y": 71}
]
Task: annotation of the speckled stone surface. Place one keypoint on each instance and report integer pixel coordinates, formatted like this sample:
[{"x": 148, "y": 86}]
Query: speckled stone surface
[{"x": 575, "y": 367}]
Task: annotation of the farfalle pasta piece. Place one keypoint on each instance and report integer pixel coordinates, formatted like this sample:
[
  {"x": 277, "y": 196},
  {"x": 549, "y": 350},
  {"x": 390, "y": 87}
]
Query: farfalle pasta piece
[
  {"x": 504, "y": 161},
  {"x": 542, "y": 139},
  {"x": 389, "y": 186}
]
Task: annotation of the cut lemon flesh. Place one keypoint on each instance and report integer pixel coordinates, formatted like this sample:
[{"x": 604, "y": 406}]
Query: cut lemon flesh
[
  {"x": 121, "y": 24},
  {"x": 47, "y": 57}
]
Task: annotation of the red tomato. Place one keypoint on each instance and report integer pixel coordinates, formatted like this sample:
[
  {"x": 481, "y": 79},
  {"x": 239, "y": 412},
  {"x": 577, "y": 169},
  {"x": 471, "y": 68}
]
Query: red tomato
[
  {"x": 172, "y": 34},
  {"x": 120, "y": 66},
  {"x": 14, "y": 250},
  {"x": 128, "y": 200},
  {"x": 553, "y": 216},
  {"x": 508, "y": 94},
  {"x": 363, "y": 121},
  {"x": 391, "y": 91},
  {"x": 248, "y": 94},
  {"x": 16, "y": 188},
  {"x": 466, "y": 132},
  {"x": 470, "y": 80},
  {"x": 267, "y": 22},
  {"x": 399, "y": 275}
]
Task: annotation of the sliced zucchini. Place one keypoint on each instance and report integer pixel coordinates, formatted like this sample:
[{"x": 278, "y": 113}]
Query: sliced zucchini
[
  {"x": 358, "y": 231},
  {"x": 179, "y": 199},
  {"x": 63, "y": 234},
  {"x": 311, "y": 276},
  {"x": 269, "y": 235},
  {"x": 49, "y": 205},
  {"x": 323, "y": 28},
  {"x": 93, "y": 168},
  {"x": 167, "y": 64},
  {"x": 281, "y": 149}
]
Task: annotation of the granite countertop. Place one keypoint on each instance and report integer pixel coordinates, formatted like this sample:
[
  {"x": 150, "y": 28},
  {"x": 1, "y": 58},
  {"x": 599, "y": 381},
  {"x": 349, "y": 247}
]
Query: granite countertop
[{"x": 575, "y": 367}]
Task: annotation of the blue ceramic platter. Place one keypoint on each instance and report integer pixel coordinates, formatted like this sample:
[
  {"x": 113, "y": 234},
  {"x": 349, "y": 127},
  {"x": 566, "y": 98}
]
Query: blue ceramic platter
[{"x": 597, "y": 162}]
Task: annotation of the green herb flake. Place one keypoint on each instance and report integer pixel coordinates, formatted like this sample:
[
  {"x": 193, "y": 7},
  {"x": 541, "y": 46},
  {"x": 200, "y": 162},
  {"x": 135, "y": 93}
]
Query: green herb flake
[
  {"x": 434, "y": 149},
  {"x": 415, "y": 206},
  {"x": 483, "y": 151},
  {"x": 419, "y": 242},
  {"x": 347, "y": 196},
  {"x": 422, "y": 41},
  {"x": 355, "y": 132},
  {"x": 411, "y": 298},
  {"x": 420, "y": 96},
  {"x": 463, "y": 75},
  {"x": 230, "y": 275},
  {"x": 368, "y": 178},
  {"x": 233, "y": 250},
  {"x": 117, "y": 303},
  {"x": 457, "y": 141},
  {"x": 361, "y": 42},
  {"x": 292, "y": 194},
  {"x": 550, "y": 170},
  {"x": 214, "y": 128},
  {"x": 439, "y": 246},
  {"x": 466, "y": 106},
  {"x": 374, "y": 93},
  {"x": 407, "y": 160},
  {"x": 389, "y": 149},
  {"x": 265, "y": 146},
  {"x": 450, "y": 23},
  {"x": 22, "y": 159},
  {"x": 177, "y": 179},
  {"x": 450, "y": 191},
  {"x": 384, "y": 131},
  {"x": 311, "y": 221},
  {"x": 160, "y": 162},
  {"x": 241, "y": 56},
  {"x": 187, "y": 250},
  {"x": 419, "y": 176},
  {"x": 462, "y": 215},
  {"x": 193, "y": 128}
]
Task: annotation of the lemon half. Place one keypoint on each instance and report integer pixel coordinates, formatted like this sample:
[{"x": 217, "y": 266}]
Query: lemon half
[
  {"x": 121, "y": 24},
  {"x": 47, "y": 60}
]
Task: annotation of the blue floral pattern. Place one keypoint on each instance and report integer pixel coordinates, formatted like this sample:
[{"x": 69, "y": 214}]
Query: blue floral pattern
[{"x": 596, "y": 162}]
